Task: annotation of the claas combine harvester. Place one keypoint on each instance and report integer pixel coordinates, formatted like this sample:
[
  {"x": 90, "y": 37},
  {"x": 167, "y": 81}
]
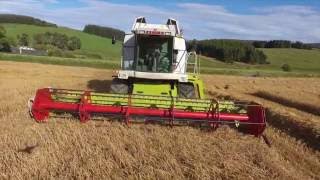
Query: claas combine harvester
[{"x": 152, "y": 86}]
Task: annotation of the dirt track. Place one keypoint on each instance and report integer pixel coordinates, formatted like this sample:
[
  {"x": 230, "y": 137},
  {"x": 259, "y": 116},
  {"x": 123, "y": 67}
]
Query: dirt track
[{"x": 68, "y": 149}]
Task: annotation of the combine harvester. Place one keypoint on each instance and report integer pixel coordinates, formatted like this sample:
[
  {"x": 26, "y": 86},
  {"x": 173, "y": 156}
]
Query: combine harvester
[{"x": 152, "y": 86}]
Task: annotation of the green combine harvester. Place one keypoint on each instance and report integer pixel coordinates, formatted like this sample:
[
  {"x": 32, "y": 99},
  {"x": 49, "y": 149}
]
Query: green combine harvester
[{"x": 152, "y": 86}]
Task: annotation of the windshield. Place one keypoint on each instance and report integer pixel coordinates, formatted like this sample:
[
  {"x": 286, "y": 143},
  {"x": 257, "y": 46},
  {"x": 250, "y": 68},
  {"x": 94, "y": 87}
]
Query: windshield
[{"x": 154, "y": 54}]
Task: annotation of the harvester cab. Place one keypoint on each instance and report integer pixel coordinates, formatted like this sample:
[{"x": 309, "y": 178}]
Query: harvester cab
[
  {"x": 155, "y": 57},
  {"x": 154, "y": 48},
  {"x": 152, "y": 86}
]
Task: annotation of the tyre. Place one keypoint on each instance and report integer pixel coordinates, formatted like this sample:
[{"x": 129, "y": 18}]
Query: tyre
[
  {"x": 186, "y": 90},
  {"x": 119, "y": 86}
]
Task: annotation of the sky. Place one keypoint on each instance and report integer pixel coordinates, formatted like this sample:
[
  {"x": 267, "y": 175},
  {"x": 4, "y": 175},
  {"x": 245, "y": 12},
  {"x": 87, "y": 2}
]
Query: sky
[{"x": 295, "y": 20}]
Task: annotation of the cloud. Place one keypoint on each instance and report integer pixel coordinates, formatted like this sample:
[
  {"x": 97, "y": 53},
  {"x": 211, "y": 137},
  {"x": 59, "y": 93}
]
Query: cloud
[
  {"x": 198, "y": 20},
  {"x": 294, "y": 9},
  {"x": 282, "y": 22}
]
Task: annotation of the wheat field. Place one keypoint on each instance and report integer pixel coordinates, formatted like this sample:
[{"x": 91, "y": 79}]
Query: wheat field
[{"x": 65, "y": 148}]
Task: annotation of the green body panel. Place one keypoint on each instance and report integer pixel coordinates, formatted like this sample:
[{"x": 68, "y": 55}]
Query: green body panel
[
  {"x": 159, "y": 88},
  {"x": 198, "y": 84},
  {"x": 155, "y": 89}
]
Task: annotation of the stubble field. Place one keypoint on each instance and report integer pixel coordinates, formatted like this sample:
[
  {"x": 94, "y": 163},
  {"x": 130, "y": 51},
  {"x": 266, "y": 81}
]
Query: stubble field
[{"x": 65, "y": 148}]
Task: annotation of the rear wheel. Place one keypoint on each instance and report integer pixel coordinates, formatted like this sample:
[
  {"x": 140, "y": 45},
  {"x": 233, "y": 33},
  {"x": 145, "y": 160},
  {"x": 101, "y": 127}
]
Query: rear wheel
[
  {"x": 119, "y": 86},
  {"x": 186, "y": 90}
]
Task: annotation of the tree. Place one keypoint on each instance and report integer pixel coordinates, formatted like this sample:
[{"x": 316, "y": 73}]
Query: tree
[
  {"x": 5, "y": 45},
  {"x": 278, "y": 44},
  {"x": 23, "y": 40},
  {"x": 259, "y": 44},
  {"x": 39, "y": 39},
  {"x": 286, "y": 67},
  {"x": 301, "y": 45},
  {"x": 74, "y": 43},
  {"x": 261, "y": 57},
  {"x": 58, "y": 40},
  {"x": 12, "y": 41},
  {"x": 192, "y": 46},
  {"x": 4, "y": 42},
  {"x": 2, "y": 32}
]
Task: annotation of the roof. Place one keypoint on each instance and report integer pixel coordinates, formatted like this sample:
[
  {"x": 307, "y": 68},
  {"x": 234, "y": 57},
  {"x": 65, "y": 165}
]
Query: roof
[{"x": 140, "y": 26}]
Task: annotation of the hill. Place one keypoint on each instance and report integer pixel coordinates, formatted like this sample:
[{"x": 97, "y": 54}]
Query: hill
[
  {"x": 91, "y": 44},
  {"x": 19, "y": 19},
  {"x": 302, "y": 62}
]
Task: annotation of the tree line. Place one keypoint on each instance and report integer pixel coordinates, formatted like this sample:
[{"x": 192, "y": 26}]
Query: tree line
[
  {"x": 314, "y": 45},
  {"x": 12, "y": 18},
  {"x": 104, "y": 31},
  {"x": 228, "y": 50},
  {"x": 281, "y": 44},
  {"x": 57, "y": 40}
]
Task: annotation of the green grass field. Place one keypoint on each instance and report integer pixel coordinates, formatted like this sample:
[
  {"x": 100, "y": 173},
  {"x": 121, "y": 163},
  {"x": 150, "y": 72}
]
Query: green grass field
[
  {"x": 302, "y": 62},
  {"x": 90, "y": 43},
  {"x": 95, "y": 63}
]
